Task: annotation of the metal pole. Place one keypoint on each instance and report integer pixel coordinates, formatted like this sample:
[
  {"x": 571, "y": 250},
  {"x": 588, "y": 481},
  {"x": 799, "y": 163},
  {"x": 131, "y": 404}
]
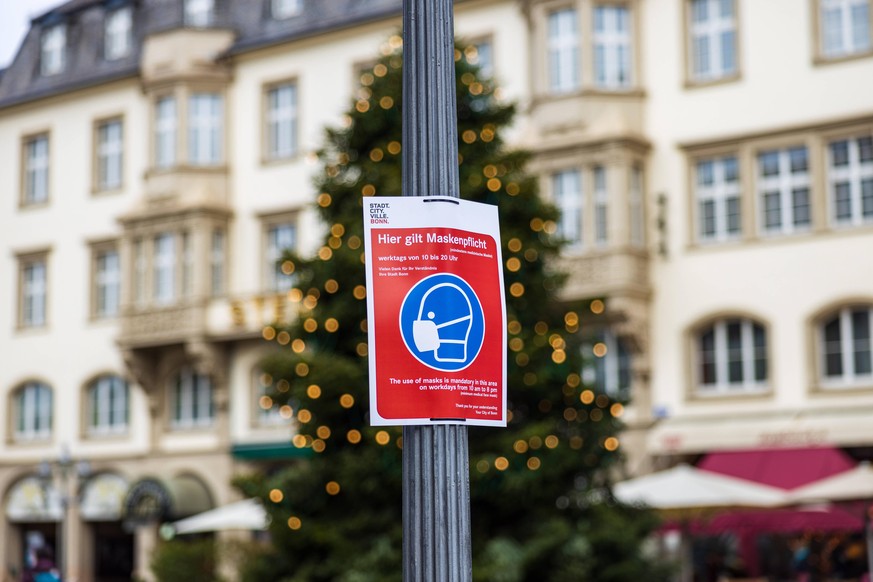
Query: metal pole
[{"x": 436, "y": 479}]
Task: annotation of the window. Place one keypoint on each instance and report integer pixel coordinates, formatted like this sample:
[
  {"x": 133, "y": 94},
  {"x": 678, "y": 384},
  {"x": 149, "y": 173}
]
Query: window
[
  {"x": 717, "y": 189},
  {"x": 601, "y": 201},
  {"x": 784, "y": 190},
  {"x": 612, "y": 47},
  {"x": 33, "y": 291},
  {"x": 33, "y": 412},
  {"x": 637, "y": 209},
  {"x": 286, "y": 8},
  {"x": 850, "y": 180},
  {"x": 36, "y": 170},
  {"x": 165, "y": 268},
  {"x": 281, "y": 121},
  {"x": 217, "y": 259},
  {"x": 107, "y": 282},
  {"x": 199, "y": 13},
  {"x": 52, "y": 50},
  {"x": 191, "y": 402},
  {"x": 187, "y": 265},
  {"x": 567, "y": 196},
  {"x": 165, "y": 132},
  {"x": 107, "y": 406},
  {"x": 117, "y": 34},
  {"x": 481, "y": 53},
  {"x": 607, "y": 364},
  {"x": 109, "y": 155},
  {"x": 281, "y": 236},
  {"x": 731, "y": 357},
  {"x": 140, "y": 270},
  {"x": 204, "y": 129},
  {"x": 563, "y": 51},
  {"x": 846, "y": 347},
  {"x": 844, "y": 28},
  {"x": 713, "y": 40},
  {"x": 269, "y": 412}
]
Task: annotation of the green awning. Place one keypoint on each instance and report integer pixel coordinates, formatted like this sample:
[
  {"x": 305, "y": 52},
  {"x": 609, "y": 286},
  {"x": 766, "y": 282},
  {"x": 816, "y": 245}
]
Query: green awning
[{"x": 269, "y": 451}]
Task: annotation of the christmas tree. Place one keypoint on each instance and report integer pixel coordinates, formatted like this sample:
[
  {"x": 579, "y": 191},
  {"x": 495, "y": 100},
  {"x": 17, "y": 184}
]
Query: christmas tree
[{"x": 337, "y": 515}]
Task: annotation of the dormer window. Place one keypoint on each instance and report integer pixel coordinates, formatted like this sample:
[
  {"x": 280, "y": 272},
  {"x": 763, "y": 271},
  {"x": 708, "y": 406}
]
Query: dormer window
[
  {"x": 117, "y": 34},
  {"x": 286, "y": 8},
  {"x": 199, "y": 13},
  {"x": 54, "y": 41}
]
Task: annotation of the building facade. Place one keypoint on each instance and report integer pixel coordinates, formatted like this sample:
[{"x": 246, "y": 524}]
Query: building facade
[{"x": 712, "y": 161}]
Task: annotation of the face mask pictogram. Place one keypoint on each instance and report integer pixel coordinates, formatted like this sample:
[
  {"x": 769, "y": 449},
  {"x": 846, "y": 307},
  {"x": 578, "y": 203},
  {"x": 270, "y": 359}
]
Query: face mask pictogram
[
  {"x": 441, "y": 322},
  {"x": 447, "y": 339}
]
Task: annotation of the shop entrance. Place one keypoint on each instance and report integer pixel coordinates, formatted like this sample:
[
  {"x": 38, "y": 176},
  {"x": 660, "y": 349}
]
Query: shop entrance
[{"x": 113, "y": 552}]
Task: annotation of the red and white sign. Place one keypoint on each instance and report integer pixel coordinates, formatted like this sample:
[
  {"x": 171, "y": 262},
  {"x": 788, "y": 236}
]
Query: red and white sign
[{"x": 436, "y": 311}]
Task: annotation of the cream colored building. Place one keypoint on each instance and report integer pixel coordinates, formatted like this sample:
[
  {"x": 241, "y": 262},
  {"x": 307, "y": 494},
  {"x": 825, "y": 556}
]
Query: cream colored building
[{"x": 712, "y": 160}]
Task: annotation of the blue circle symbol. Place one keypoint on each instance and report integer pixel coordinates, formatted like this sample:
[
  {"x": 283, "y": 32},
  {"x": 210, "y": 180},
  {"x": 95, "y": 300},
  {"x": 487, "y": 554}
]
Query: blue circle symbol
[{"x": 442, "y": 323}]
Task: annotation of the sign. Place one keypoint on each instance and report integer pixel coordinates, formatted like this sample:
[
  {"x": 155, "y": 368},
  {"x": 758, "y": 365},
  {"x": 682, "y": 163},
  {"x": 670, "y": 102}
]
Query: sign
[
  {"x": 147, "y": 501},
  {"x": 436, "y": 312}
]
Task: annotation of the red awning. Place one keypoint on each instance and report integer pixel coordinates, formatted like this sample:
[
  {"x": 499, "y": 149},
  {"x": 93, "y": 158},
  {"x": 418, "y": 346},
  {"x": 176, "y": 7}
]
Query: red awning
[{"x": 784, "y": 468}]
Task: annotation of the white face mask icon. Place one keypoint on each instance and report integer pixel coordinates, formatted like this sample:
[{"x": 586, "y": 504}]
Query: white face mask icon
[{"x": 443, "y": 324}]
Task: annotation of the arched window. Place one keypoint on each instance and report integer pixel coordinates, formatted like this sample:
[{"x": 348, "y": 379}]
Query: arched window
[
  {"x": 607, "y": 364},
  {"x": 108, "y": 406},
  {"x": 845, "y": 347},
  {"x": 731, "y": 357},
  {"x": 191, "y": 400},
  {"x": 33, "y": 412}
]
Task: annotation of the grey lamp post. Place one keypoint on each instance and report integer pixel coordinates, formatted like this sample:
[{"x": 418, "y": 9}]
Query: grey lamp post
[
  {"x": 59, "y": 473},
  {"x": 436, "y": 480}
]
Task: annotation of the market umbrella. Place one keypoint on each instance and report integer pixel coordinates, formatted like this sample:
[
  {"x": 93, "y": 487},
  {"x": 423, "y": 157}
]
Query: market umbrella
[
  {"x": 851, "y": 485},
  {"x": 685, "y": 490},
  {"x": 245, "y": 514}
]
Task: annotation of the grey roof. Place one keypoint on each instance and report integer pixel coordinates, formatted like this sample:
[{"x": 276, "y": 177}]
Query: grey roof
[{"x": 85, "y": 65}]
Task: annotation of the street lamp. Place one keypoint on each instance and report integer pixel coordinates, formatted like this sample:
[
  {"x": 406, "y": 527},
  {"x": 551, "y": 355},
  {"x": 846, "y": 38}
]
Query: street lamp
[{"x": 60, "y": 470}]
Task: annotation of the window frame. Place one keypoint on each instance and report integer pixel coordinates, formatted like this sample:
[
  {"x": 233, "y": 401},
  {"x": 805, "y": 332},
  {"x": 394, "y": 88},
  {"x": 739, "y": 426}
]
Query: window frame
[
  {"x": 270, "y": 122},
  {"x": 265, "y": 417},
  {"x": 39, "y": 423},
  {"x": 612, "y": 366},
  {"x": 218, "y": 247},
  {"x": 271, "y": 270},
  {"x": 35, "y": 170},
  {"x": 570, "y": 202},
  {"x": 855, "y": 175},
  {"x": 563, "y": 77},
  {"x": 26, "y": 294},
  {"x": 612, "y": 41},
  {"x": 165, "y": 154},
  {"x": 820, "y": 53},
  {"x": 118, "y": 33},
  {"x": 723, "y": 386},
  {"x": 164, "y": 266},
  {"x": 787, "y": 184},
  {"x": 692, "y": 77},
  {"x": 103, "y": 406},
  {"x": 108, "y": 152},
  {"x": 205, "y": 128},
  {"x": 846, "y": 380},
  {"x": 719, "y": 194},
  {"x": 53, "y": 50},
  {"x": 204, "y": 17},
  {"x": 285, "y": 9},
  {"x": 182, "y": 395},
  {"x": 99, "y": 286}
]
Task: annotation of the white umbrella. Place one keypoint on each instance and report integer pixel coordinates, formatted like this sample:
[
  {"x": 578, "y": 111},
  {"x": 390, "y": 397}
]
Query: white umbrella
[
  {"x": 854, "y": 484},
  {"x": 245, "y": 514},
  {"x": 685, "y": 489}
]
